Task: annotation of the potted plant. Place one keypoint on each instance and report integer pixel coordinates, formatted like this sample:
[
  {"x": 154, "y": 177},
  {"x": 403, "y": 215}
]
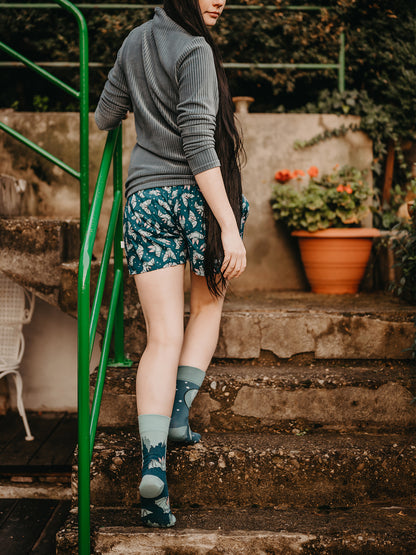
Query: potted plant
[{"x": 325, "y": 214}]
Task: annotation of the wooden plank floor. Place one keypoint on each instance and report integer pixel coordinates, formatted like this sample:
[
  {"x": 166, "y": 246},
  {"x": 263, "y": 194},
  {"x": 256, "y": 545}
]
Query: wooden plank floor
[
  {"x": 30, "y": 525},
  {"x": 49, "y": 453}
]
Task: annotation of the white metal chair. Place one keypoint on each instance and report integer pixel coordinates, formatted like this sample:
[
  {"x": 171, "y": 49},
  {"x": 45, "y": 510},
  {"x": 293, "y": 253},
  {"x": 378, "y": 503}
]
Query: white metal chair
[{"x": 16, "y": 309}]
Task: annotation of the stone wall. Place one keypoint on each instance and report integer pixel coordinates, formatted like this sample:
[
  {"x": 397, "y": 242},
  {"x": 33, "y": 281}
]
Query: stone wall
[{"x": 273, "y": 261}]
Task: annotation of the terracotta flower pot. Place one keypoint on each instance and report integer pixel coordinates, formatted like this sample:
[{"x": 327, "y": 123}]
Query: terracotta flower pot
[{"x": 335, "y": 259}]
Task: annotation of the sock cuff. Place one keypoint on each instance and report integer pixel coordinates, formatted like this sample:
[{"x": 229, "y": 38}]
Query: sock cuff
[
  {"x": 192, "y": 374},
  {"x": 153, "y": 423}
]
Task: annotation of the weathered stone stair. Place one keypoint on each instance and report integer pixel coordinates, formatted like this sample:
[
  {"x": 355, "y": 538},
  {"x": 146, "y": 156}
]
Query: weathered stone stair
[
  {"x": 302, "y": 452},
  {"x": 33, "y": 252}
]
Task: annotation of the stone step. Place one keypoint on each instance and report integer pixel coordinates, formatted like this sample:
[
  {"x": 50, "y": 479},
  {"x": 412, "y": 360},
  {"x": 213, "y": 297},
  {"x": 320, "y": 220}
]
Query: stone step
[
  {"x": 41, "y": 253},
  {"x": 32, "y": 250},
  {"x": 366, "y": 530},
  {"x": 262, "y": 470},
  {"x": 288, "y": 397},
  {"x": 362, "y": 326}
]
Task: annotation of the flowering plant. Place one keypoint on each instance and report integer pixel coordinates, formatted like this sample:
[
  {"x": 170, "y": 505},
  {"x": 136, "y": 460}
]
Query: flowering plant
[{"x": 332, "y": 200}]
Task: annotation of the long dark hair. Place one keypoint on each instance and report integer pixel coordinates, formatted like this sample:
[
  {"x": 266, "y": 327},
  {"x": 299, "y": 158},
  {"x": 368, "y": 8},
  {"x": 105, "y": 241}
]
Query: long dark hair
[{"x": 187, "y": 14}]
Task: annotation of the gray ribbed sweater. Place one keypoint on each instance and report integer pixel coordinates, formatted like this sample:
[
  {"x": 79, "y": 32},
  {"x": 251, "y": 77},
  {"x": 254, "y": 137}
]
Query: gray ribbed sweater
[{"x": 167, "y": 78}]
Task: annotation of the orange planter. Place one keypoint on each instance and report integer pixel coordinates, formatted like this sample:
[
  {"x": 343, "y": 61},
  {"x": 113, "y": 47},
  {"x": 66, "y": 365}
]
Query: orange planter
[{"x": 335, "y": 259}]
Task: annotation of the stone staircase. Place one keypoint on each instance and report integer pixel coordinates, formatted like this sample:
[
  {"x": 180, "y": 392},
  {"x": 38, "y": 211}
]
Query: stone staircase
[
  {"x": 34, "y": 252},
  {"x": 308, "y": 436}
]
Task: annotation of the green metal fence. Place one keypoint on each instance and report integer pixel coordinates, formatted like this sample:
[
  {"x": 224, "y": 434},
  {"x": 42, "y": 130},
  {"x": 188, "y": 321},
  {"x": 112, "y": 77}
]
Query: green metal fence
[
  {"x": 339, "y": 65},
  {"x": 81, "y": 95}
]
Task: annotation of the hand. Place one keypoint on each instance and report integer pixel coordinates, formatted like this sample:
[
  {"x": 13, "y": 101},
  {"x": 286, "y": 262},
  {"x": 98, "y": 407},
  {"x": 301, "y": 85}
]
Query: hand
[{"x": 235, "y": 260}]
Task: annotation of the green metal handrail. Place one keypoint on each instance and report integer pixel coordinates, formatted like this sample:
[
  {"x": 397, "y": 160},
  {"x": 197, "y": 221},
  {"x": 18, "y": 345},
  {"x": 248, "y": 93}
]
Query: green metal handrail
[
  {"x": 88, "y": 320},
  {"x": 340, "y": 65},
  {"x": 82, "y": 95}
]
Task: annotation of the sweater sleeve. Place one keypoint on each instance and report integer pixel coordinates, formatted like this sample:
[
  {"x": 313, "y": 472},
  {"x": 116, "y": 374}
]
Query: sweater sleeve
[
  {"x": 115, "y": 98},
  {"x": 198, "y": 106}
]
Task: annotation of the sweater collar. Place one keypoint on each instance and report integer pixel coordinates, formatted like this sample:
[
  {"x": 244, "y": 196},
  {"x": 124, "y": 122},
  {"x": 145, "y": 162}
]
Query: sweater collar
[{"x": 162, "y": 20}]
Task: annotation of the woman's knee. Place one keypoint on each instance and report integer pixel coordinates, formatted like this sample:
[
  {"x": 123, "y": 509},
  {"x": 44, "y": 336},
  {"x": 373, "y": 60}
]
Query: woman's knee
[{"x": 167, "y": 338}]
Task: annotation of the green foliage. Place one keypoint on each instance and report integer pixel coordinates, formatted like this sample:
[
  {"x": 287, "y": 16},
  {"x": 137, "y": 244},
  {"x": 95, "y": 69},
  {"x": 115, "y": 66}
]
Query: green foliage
[
  {"x": 379, "y": 125},
  {"x": 335, "y": 200},
  {"x": 385, "y": 216},
  {"x": 380, "y": 53},
  {"x": 374, "y": 120},
  {"x": 405, "y": 254},
  {"x": 40, "y": 103}
]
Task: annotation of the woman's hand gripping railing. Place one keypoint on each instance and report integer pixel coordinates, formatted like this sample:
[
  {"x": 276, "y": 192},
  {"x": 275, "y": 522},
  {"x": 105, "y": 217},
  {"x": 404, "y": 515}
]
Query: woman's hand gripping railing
[{"x": 87, "y": 321}]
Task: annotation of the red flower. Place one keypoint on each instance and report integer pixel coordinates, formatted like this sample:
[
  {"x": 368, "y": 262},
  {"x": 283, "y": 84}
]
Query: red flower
[
  {"x": 313, "y": 171},
  {"x": 283, "y": 176},
  {"x": 298, "y": 173},
  {"x": 348, "y": 189},
  {"x": 340, "y": 188}
]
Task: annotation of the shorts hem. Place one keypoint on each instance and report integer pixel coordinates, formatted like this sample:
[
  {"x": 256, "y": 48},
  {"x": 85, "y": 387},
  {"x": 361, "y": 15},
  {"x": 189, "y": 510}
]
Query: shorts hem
[{"x": 152, "y": 269}]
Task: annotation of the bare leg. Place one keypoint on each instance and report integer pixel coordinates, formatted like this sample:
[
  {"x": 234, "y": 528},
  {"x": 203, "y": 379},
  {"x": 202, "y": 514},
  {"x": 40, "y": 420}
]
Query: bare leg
[
  {"x": 161, "y": 298},
  {"x": 199, "y": 344},
  {"x": 201, "y": 334}
]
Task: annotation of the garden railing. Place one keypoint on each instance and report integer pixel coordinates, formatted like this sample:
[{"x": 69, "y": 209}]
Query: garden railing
[
  {"x": 339, "y": 65},
  {"x": 88, "y": 320},
  {"x": 82, "y": 95}
]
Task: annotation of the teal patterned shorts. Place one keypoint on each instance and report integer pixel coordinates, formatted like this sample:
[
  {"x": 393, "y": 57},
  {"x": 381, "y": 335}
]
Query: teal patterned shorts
[{"x": 164, "y": 226}]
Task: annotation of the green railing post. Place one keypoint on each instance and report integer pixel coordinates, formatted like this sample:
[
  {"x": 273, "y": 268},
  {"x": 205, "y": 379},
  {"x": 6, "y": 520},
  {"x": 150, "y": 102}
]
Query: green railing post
[
  {"x": 87, "y": 324},
  {"x": 84, "y": 125},
  {"x": 83, "y": 113},
  {"x": 83, "y": 413},
  {"x": 82, "y": 95},
  {"x": 119, "y": 358},
  {"x": 341, "y": 63}
]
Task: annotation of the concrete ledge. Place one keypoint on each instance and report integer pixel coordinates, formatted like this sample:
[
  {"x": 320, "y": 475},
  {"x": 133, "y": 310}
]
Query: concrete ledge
[
  {"x": 368, "y": 530},
  {"x": 32, "y": 235},
  {"x": 242, "y": 470},
  {"x": 34, "y": 491},
  {"x": 33, "y": 249},
  {"x": 290, "y": 397},
  {"x": 363, "y": 326}
]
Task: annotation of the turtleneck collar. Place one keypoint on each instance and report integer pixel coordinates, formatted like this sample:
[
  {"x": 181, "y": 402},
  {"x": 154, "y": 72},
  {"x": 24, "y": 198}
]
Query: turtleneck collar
[{"x": 161, "y": 19}]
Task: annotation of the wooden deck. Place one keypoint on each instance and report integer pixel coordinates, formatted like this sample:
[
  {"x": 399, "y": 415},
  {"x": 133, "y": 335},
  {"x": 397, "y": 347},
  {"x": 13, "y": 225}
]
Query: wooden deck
[
  {"x": 50, "y": 452},
  {"x": 29, "y": 525}
]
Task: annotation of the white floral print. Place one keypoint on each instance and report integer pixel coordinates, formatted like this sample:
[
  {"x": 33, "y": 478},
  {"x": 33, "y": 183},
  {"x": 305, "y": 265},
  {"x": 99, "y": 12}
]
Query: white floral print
[{"x": 164, "y": 226}]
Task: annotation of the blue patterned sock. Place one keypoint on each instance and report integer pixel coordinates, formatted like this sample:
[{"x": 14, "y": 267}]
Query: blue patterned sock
[
  {"x": 154, "y": 496},
  {"x": 188, "y": 382}
]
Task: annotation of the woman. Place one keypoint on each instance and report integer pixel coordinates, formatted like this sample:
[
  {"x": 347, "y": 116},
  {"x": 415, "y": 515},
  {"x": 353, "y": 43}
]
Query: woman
[{"x": 184, "y": 202}]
